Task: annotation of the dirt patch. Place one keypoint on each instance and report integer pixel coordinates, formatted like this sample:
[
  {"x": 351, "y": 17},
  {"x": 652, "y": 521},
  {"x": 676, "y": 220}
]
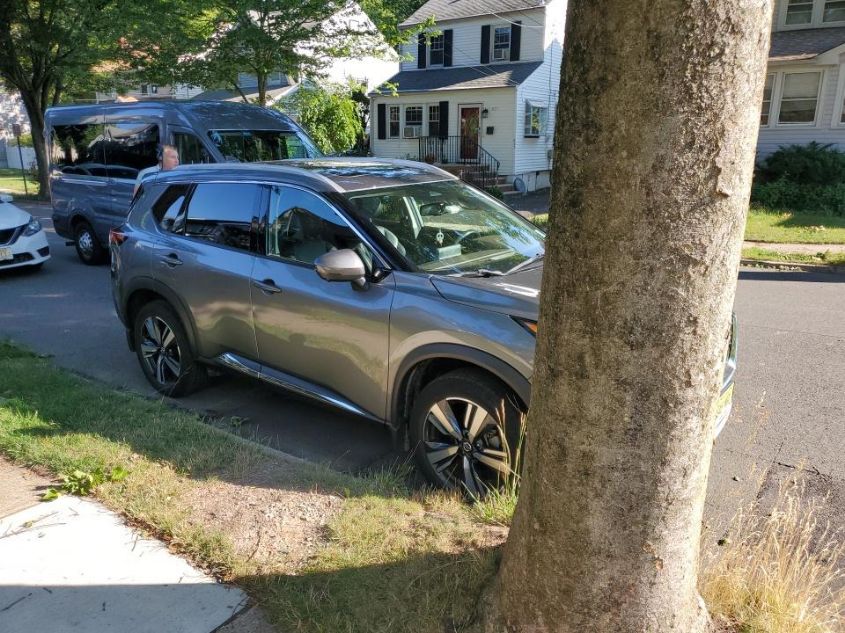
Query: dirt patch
[
  {"x": 19, "y": 487},
  {"x": 270, "y": 522}
]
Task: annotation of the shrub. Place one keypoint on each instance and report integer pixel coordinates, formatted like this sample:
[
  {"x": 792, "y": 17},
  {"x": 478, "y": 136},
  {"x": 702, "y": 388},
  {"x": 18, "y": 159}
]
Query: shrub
[
  {"x": 815, "y": 164},
  {"x": 495, "y": 192},
  {"x": 800, "y": 197}
]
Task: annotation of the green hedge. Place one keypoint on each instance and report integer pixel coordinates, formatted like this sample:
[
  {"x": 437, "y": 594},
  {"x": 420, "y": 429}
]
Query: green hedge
[{"x": 807, "y": 198}]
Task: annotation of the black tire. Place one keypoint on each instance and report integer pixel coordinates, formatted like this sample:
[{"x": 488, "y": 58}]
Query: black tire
[
  {"x": 168, "y": 363},
  {"x": 88, "y": 247},
  {"x": 487, "y": 454}
]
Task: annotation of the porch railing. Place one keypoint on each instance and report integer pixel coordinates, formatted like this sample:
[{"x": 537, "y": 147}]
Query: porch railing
[{"x": 476, "y": 164}]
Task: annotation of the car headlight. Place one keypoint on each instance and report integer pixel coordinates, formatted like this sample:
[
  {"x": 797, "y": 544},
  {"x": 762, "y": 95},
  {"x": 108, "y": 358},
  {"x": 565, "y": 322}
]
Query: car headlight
[{"x": 32, "y": 228}]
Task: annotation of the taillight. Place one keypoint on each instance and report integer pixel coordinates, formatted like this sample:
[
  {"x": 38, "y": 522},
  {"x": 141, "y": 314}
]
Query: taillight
[{"x": 117, "y": 237}]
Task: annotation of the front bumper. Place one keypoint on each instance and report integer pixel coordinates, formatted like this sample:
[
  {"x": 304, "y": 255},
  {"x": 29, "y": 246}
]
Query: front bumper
[{"x": 25, "y": 251}]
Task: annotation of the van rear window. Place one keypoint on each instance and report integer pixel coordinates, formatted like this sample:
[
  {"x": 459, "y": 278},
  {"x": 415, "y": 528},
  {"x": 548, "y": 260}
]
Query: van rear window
[{"x": 250, "y": 146}]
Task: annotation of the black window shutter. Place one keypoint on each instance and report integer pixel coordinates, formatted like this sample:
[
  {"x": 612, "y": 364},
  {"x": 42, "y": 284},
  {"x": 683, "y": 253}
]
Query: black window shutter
[
  {"x": 516, "y": 40},
  {"x": 382, "y": 120},
  {"x": 485, "y": 44},
  {"x": 444, "y": 119},
  {"x": 447, "y": 47},
  {"x": 421, "y": 50}
]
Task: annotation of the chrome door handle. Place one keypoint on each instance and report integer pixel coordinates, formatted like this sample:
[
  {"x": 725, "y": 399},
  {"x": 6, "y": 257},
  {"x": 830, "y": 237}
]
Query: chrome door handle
[
  {"x": 171, "y": 260},
  {"x": 267, "y": 286}
]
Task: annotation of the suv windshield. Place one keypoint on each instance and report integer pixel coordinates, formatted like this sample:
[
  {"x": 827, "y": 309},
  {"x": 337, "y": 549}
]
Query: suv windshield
[
  {"x": 449, "y": 228},
  {"x": 250, "y": 146}
]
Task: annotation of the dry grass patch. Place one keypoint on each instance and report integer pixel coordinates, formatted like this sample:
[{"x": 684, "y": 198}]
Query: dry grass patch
[{"x": 779, "y": 573}]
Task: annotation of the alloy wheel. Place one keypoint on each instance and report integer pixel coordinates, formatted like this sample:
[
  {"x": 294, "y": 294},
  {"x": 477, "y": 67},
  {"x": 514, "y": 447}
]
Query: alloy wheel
[
  {"x": 85, "y": 241},
  {"x": 466, "y": 446},
  {"x": 160, "y": 350}
]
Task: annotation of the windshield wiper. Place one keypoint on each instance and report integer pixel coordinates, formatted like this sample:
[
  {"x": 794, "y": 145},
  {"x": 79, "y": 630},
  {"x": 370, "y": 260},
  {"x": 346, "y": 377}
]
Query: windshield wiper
[
  {"x": 527, "y": 262},
  {"x": 481, "y": 272}
]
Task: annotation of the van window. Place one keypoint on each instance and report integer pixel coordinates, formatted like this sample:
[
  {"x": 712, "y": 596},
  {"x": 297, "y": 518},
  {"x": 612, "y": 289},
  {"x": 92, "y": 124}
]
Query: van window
[
  {"x": 249, "y": 146},
  {"x": 79, "y": 149},
  {"x": 224, "y": 213},
  {"x": 131, "y": 146},
  {"x": 191, "y": 150}
]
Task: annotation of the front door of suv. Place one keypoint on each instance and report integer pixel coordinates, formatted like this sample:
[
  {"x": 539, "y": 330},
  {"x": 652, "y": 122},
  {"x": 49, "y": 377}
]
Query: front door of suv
[
  {"x": 329, "y": 334},
  {"x": 205, "y": 255}
]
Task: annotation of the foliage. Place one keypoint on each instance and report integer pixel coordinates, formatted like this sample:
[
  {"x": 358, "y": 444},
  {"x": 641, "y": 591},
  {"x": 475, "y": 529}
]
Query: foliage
[
  {"x": 331, "y": 116},
  {"x": 25, "y": 140},
  {"x": 82, "y": 483},
  {"x": 388, "y": 14},
  {"x": 495, "y": 192},
  {"x": 800, "y": 197},
  {"x": 263, "y": 37},
  {"x": 811, "y": 164}
]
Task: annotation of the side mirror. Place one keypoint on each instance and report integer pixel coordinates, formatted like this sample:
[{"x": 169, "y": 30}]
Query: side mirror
[
  {"x": 5, "y": 197},
  {"x": 342, "y": 265}
]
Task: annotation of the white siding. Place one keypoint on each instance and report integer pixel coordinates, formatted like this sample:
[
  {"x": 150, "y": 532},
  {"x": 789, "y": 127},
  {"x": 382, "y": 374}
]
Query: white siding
[
  {"x": 466, "y": 38},
  {"x": 826, "y": 131},
  {"x": 533, "y": 154},
  {"x": 499, "y": 103}
]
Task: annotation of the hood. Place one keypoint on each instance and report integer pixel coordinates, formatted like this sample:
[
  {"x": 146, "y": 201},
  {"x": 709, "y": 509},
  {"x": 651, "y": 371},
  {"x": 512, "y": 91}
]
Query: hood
[
  {"x": 515, "y": 295},
  {"x": 11, "y": 216}
]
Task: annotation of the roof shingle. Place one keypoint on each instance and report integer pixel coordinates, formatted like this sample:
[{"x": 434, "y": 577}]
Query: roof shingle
[
  {"x": 804, "y": 43},
  {"x": 462, "y": 77},
  {"x": 453, "y": 9}
]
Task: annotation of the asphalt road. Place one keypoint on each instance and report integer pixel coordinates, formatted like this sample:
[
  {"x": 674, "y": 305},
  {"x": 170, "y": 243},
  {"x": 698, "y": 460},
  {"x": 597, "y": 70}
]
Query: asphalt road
[{"x": 789, "y": 406}]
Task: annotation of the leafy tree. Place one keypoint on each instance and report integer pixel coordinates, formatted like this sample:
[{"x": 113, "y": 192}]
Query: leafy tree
[
  {"x": 641, "y": 265},
  {"x": 330, "y": 115},
  {"x": 388, "y": 14},
  {"x": 299, "y": 38}
]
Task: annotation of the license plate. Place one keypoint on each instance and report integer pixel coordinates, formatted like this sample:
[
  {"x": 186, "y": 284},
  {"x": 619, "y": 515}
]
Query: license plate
[{"x": 5, "y": 253}]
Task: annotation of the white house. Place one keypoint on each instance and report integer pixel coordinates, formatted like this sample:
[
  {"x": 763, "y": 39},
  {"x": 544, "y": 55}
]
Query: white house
[
  {"x": 805, "y": 79},
  {"x": 481, "y": 93}
]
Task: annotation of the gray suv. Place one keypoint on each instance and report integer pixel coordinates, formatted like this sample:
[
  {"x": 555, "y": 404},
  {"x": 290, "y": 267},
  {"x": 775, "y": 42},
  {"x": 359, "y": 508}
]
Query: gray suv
[{"x": 389, "y": 289}]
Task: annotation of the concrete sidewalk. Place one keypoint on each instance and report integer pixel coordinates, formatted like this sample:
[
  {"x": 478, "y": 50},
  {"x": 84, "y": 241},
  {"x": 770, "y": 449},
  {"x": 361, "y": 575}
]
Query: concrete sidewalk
[{"x": 71, "y": 565}]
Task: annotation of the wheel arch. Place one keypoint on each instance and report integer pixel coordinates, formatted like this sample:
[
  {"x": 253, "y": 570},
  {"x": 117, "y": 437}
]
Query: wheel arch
[
  {"x": 422, "y": 364},
  {"x": 145, "y": 290}
]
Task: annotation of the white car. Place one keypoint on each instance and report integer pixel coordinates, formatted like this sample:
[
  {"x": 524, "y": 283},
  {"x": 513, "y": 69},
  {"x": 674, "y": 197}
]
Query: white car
[{"x": 22, "y": 239}]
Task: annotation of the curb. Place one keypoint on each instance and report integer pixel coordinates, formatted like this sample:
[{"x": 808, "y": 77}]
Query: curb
[{"x": 796, "y": 266}]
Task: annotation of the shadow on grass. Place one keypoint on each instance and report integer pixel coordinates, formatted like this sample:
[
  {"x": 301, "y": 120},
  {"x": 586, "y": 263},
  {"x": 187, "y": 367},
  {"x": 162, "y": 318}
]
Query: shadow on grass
[
  {"x": 65, "y": 422},
  {"x": 421, "y": 593},
  {"x": 809, "y": 220}
]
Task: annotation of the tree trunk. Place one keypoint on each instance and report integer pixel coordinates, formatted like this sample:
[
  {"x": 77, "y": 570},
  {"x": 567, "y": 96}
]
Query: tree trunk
[
  {"x": 35, "y": 112},
  {"x": 262, "y": 88},
  {"x": 655, "y": 141}
]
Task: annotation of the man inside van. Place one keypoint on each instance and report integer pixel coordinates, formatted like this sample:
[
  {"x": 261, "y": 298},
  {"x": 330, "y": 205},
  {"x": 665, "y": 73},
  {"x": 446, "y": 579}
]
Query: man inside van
[{"x": 168, "y": 158}]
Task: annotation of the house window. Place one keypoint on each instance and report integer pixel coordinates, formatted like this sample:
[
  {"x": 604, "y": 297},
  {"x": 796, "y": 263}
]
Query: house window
[
  {"x": 799, "y": 97},
  {"x": 393, "y": 128},
  {"x": 413, "y": 121},
  {"x": 502, "y": 43},
  {"x": 834, "y": 11},
  {"x": 535, "y": 119},
  {"x": 435, "y": 54},
  {"x": 434, "y": 120},
  {"x": 767, "y": 99},
  {"x": 799, "y": 12}
]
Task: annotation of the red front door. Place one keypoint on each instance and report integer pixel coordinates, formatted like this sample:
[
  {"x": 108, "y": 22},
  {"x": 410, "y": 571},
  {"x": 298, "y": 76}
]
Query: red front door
[{"x": 470, "y": 128}]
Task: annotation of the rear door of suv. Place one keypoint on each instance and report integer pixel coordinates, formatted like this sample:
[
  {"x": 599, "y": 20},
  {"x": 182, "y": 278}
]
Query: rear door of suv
[{"x": 205, "y": 254}]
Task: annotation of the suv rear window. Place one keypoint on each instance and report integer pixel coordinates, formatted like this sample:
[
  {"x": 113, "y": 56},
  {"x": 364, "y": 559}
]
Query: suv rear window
[{"x": 166, "y": 208}]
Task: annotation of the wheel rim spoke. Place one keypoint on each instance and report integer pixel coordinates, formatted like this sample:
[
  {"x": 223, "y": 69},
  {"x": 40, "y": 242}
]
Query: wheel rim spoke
[
  {"x": 474, "y": 420},
  {"x": 160, "y": 369},
  {"x": 469, "y": 477},
  {"x": 152, "y": 331},
  {"x": 497, "y": 460},
  {"x": 167, "y": 338},
  {"x": 148, "y": 348},
  {"x": 172, "y": 365},
  {"x": 441, "y": 458},
  {"x": 444, "y": 419}
]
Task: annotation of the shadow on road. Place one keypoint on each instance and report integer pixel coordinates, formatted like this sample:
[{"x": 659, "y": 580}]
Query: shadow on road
[{"x": 788, "y": 275}]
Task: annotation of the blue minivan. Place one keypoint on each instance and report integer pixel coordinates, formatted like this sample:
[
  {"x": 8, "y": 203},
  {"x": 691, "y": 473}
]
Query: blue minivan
[{"x": 96, "y": 152}]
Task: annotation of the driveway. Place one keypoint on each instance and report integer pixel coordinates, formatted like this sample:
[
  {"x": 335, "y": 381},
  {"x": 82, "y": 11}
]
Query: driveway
[{"x": 789, "y": 409}]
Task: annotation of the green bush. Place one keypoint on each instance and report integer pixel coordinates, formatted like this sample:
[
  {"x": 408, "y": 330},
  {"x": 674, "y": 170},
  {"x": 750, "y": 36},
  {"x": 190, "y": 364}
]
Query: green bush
[
  {"x": 812, "y": 164},
  {"x": 800, "y": 197},
  {"x": 26, "y": 140},
  {"x": 495, "y": 192}
]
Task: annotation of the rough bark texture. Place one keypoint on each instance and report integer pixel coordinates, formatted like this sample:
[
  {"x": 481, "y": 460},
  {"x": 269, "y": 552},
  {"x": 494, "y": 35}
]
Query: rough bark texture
[{"x": 655, "y": 139}]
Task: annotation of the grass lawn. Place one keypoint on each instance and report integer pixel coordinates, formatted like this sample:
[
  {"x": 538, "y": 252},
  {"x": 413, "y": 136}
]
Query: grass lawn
[
  {"x": 794, "y": 228},
  {"x": 11, "y": 182},
  {"x": 325, "y": 552},
  {"x": 763, "y": 254},
  {"x": 782, "y": 227}
]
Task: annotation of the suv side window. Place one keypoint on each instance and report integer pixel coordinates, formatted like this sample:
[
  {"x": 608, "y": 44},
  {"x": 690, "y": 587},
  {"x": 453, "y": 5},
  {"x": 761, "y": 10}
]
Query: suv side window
[
  {"x": 191, "y": 150},
  {"x": 302, "y": 226},
  {"x": 225, "y": 214},
  {"x": 166, "y": 209}
]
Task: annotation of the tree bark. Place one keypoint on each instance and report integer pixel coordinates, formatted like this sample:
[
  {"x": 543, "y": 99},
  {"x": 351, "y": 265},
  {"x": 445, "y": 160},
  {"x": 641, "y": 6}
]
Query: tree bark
[{"x": 655, "y": 141}]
